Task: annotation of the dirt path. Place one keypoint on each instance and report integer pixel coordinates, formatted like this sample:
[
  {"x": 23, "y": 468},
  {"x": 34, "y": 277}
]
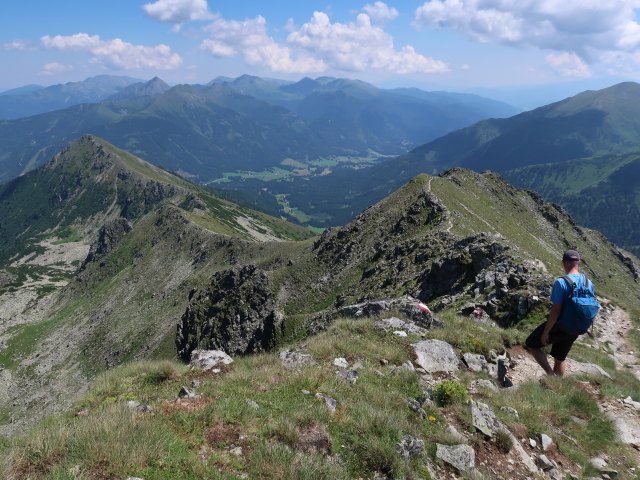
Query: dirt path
[
  {"x": 610, "y": 331},
  {"x": 449, "y": 220}
]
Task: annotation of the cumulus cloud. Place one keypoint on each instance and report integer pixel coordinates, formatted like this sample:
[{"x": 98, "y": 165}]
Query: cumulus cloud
[
  {"x": 358, "y": 46},
  {"x": 568, "y": 65},
  {"x": 79, "y": 41},
  {"x": 250, "y": 38},
  {"x": 54, "y": 68},
  {"x": 178, "y": 11},
  {"x": 380, "y": 11},
  {"x": 116, "y": 53},
  {"x": 21, "y": 45},
  {"x": 586, "y": 28},
  {"x": 316, "y": 46}
]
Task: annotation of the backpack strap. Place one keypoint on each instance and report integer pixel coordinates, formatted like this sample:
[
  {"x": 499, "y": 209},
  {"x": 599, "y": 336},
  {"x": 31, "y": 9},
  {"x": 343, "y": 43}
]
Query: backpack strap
[{"x": 571, "y": 284}]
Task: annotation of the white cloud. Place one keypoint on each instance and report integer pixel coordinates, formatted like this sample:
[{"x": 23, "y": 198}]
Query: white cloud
[
  {"x": 316, "y": 46},
  {"x": 116, "y": 53},
  {"x": 21, "y": 45},
  {"x": 358, "y": 46},
  {"x": 380, "y": 11},
  {"x": 54, "y": 68},
  {"x": 568, "y": 65},
  {"x": 79, "y": 41},
  {"x": 250, "y": 38},
  {"x": 178, "y": 11},
  {"x": 587, "y": 28}
]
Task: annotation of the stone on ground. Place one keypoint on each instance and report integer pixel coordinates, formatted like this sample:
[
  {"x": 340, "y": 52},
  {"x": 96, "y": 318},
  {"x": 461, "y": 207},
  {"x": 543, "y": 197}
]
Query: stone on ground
[
  {"x": 294, "y": 360},
  {"x": 461, "y": 457},
  {"x": 436, "y": 356},
  {"x": 208, "y": 359},
  {"x": 349, "y": 376},
  {"x": 484, "y": 419},
  {"x": 475, "y": 362},
  {"x": 341, "y": 362},
  {"x": 410, "y": 446},
  {"x": 330, "y": 402}
]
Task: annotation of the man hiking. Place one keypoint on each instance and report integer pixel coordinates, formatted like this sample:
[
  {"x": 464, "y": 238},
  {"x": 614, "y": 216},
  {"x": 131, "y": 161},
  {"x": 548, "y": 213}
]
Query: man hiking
[{"x": 568, "y": 319}]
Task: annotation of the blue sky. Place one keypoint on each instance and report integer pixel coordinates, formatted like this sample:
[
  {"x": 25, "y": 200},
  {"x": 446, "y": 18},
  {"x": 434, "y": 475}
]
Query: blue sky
[{"x": 434, "y": 44}]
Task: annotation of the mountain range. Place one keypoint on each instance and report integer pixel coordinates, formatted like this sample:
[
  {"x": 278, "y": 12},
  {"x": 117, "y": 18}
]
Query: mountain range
[
  {"x": 249, "y": 124},
  {"x": 107, "y": 259},
  {"x": 543, "y": 149},
  {"x": 33, "y": 99}
]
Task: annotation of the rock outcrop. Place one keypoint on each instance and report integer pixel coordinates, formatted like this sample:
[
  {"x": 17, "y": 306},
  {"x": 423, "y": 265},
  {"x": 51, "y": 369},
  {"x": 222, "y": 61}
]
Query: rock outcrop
[
  {"x": 108, "y": 236},
  {"x": 236, "y": 313}
]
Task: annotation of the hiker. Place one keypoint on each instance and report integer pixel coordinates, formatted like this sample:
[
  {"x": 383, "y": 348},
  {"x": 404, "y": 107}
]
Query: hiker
[{"x": 568, "y": 319}]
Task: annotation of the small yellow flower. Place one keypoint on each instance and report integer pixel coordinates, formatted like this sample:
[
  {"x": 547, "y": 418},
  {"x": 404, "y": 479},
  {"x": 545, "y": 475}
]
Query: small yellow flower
[{"x": 431, "y": 418}]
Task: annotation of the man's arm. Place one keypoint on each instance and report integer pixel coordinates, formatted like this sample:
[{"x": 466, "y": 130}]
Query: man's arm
[{"x": 556, "y": 308}]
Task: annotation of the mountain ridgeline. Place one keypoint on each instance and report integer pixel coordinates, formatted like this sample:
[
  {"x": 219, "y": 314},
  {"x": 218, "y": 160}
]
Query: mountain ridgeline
[
  {"x": 32, "y": 100},
  {"x": 172, "y": 268},
  {"x": 573, "y": 152},
  {"x": 249, "y": 124}
]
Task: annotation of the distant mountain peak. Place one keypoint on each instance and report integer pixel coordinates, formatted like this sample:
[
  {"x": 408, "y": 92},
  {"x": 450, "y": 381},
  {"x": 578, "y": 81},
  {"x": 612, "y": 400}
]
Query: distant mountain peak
[{"x": 150, "y": 88}]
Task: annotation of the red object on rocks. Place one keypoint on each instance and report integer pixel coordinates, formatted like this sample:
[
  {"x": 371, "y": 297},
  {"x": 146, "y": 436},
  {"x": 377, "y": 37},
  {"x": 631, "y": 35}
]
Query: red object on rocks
[{"x": 422, "y": 307}]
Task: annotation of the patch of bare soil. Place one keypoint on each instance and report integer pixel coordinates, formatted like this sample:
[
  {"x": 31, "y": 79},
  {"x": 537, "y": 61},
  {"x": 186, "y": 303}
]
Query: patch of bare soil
[
  {"x": 186, "y": 404},
  {"x": 222, "y": 435},
  {"x": 314, "y": 437}
]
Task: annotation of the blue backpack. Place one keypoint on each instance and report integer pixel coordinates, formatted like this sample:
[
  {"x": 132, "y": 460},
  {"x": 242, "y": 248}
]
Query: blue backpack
[{"x": 580, "y": 308}]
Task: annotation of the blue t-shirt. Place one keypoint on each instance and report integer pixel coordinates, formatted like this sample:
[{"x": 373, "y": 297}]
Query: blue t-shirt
[{"x": 561, "y": 290}]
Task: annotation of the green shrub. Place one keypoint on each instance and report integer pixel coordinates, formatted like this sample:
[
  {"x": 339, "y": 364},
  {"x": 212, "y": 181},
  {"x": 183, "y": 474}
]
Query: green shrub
[
  {"x": 450, "y": 392},
  {"x": 504, "y": 441}
]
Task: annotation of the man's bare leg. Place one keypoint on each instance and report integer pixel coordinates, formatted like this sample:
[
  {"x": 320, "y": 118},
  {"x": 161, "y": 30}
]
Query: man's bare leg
[
  {"x": 541, "y": 357},
  {"x": 559, "y": 367}
]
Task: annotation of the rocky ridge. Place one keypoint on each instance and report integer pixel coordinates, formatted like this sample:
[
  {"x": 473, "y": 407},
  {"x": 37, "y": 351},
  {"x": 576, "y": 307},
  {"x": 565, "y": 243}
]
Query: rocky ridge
[{"x": 425, "y": 241}]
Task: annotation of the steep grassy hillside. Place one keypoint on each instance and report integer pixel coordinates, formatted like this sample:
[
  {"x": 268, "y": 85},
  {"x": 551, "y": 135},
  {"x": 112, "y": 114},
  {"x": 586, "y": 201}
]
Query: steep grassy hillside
[
  {"x": 153, "y": 236},
  {"x": 261, "y": 417},
  {"x": 173, "y": 269},
  {"x": 600, "y": 123},
  {"x": 600, "y": 192},
  {"x": 591, "y": 123}
]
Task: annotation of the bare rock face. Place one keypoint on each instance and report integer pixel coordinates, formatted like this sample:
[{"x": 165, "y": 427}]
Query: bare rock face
[
  {"x": 411, "y": 307},
  {"x": 235, "y": 313},
  {"x": 108, "y": 236}
]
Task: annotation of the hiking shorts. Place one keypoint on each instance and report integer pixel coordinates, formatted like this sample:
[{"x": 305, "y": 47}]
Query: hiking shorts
[{"x": 560, "y": 340}]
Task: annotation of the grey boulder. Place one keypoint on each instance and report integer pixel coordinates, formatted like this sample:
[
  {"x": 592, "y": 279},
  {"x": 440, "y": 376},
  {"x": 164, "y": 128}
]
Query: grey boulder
[
  {"x": 294, "y": 360},
  {"x": 435, "y": 356},
  {"x": 208, "y": 359},
  {"x": 484, "y": 419},
  {"x": 461, "y": 457}
]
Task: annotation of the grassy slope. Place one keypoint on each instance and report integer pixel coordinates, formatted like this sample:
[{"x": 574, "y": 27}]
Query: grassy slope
[
  {"x": 601, "y": 192},
  {"x": 487, "y": 203},
  {"x": 183, "y": 439},
  {"x": 127, "y": 305}
]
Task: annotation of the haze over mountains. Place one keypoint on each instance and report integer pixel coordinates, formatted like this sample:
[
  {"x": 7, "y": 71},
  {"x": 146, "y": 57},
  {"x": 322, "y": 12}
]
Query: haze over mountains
[
  {"x": 205, "y": 131},
  {"x": 34, "y": 99},
  {"x": 603, "y": 122},
  {"x": 318, "y": 151}
]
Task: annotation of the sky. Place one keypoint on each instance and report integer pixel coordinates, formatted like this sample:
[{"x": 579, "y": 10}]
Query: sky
[{"x": 458, "y": 45}]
